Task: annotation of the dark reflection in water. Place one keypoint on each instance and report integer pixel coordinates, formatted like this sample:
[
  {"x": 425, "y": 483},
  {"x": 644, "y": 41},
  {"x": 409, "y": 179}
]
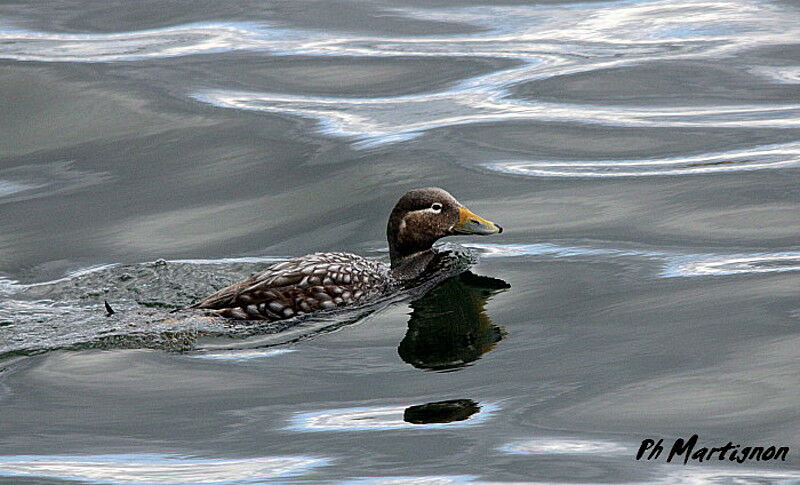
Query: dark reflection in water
[
  {"x": 441, "y": 412},
  {"x": 452, "y": 413},
  {"x": 449, "y": 327}
]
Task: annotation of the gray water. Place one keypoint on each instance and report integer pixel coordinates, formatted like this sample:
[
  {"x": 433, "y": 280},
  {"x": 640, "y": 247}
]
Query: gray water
[{"x": 642, "y": 156}]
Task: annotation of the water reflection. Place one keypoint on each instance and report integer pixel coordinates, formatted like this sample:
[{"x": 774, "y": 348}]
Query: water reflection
[
  {"x": 553, "y": 446},
  {"x": 441, "y": 412},
  {"x": 773, "y": 156},
  {"x": 525, "y": 32},
  {"x": 449, "y": 327},
  {"x": 183, "y": 40},
  {"x": 673, "y": 263},
  {"x": 780, "y": 74},
  {"x": 734, "y": 264},
  {"x": 152, "y": 469},
  {"x": 456, "y": 412},
  {"x": 546, "y": 42},
  {"x": 429, "y": 480},
  {"x": 45, "y": 180},
  {"x": 665, "y": 474},
  {"x": 699, "y": 475},
  {"x": 375, "y": 121},
  {"x": 240, "y": 355}
]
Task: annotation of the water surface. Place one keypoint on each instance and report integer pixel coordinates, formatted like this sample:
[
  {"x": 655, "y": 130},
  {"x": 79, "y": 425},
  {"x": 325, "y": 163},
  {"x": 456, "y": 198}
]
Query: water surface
[{"x": 642, "y": 156}]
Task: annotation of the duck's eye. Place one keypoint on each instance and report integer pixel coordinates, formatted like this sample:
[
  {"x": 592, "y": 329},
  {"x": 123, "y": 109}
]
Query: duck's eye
[{"x": 436, "y": 207}]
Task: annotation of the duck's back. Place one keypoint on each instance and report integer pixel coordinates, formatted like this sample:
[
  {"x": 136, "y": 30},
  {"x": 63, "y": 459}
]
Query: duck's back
[{"x": 321, "y": 281}]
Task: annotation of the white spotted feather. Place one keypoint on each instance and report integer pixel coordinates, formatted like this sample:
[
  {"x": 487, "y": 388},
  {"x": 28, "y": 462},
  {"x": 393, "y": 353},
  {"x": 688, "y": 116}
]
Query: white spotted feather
[{"x": 321, "y": 281}]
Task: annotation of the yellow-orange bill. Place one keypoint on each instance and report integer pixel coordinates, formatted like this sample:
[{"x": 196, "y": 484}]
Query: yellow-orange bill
[{"x": 471, "y": 223}]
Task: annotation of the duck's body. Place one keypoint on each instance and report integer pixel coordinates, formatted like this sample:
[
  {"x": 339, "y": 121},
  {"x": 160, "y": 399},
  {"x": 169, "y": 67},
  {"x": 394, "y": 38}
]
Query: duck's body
[
  {"x": 325, "y": 281},
  {"x": 311, "y": 283}
]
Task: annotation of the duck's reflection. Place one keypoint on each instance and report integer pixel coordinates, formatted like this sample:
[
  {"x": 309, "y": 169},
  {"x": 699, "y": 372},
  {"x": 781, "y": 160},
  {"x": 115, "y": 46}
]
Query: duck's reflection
[
  {"x": 449, "y": 327},
  {"x": 456, "y": 412},
  {"x": 441, "y": 412}
]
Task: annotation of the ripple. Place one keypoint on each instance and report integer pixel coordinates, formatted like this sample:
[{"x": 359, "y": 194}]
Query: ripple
[
  {"x": 672, "y": 263},
  {"x": 378, "y": 121},
  {"x": 46, "y": 179},
  {"x": 781, "y": 74},
  {"x": 240, "y": 355},
  {"x": 156, "y": 469},
  {"x": 758, "y": 158},
  {"x": 192, "y": 39},
  {"x": 222, "y": 261},
  {"x": 379, "y": 418},
  {"x": 599, "y": 29},
  {"x": 663, "y": 474},
  {"x": 733, "y": 264},
  {"x": 69, "y": 312},
  {"x": 8, "y": 187},
  {"x": 548, "y": 41},
  {"x": 493, "y": 250},
  {"x": 553, "y": 446},
  {"x": 714, "y": 476},
  {"x": 140, "y": 293},
  {"x": 429, "y": 480}
]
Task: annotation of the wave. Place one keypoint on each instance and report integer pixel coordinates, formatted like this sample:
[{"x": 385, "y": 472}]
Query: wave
[
  {"x": 547, "y": 41},
  {"x": 44, "y": 180},
  {"x": 240, "y": 355},
  {"x": 660, "y": 474},
  {"x": 672, "y": 263},
  {"x": 734, "y": 264},
  {"x": 183, "y": 40},
  {"x": 598, "y": 30},
  {"x": 757, "y": 158},
  {"x": 132, "y": 469}
]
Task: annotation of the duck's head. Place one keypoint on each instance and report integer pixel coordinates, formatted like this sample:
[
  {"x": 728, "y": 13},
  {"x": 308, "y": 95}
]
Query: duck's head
[{"x": 423, "y": 216}]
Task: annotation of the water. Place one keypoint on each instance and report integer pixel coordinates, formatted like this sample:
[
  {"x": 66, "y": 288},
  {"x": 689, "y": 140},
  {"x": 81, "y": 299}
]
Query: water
[{"x": 642, "y": 157}]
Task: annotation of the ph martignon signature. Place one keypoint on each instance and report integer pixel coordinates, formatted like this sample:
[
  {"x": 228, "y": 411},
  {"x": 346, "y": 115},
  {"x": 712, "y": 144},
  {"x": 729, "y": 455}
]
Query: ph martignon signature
[{"x": 686, "y": 450}]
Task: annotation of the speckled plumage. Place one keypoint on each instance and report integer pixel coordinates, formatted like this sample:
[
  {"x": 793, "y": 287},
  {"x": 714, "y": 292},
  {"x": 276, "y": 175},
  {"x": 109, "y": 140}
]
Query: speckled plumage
[
  {"x": 320, "y": 281},
  {"x": 325, "y": 281}
]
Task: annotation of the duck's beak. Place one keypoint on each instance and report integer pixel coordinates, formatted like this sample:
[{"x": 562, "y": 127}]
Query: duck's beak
[{"x": 470, "y": 223}]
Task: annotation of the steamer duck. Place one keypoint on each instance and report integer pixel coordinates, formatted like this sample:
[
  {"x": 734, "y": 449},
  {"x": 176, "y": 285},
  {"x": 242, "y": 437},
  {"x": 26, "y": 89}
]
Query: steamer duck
[{"x": 324, "y": 281}]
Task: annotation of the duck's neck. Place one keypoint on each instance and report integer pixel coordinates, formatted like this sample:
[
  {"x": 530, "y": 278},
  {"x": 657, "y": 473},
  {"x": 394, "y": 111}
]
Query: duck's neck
[
  {"x": 400, "y": 256},
  {"x": 410, "y": 266},
  {"x": 409, "y": 251}
]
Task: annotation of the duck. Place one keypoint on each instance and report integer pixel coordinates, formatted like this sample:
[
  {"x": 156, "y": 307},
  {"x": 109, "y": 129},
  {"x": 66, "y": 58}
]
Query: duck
[{"x": 326, "y": 281}]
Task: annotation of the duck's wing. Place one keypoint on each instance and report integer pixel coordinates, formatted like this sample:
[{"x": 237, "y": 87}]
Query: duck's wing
[{"x": 321, "y": 281}]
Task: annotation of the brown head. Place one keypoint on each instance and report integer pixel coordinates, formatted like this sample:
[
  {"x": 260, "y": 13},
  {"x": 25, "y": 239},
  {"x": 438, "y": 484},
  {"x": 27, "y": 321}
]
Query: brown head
[{"x": 423, "y": 216}]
